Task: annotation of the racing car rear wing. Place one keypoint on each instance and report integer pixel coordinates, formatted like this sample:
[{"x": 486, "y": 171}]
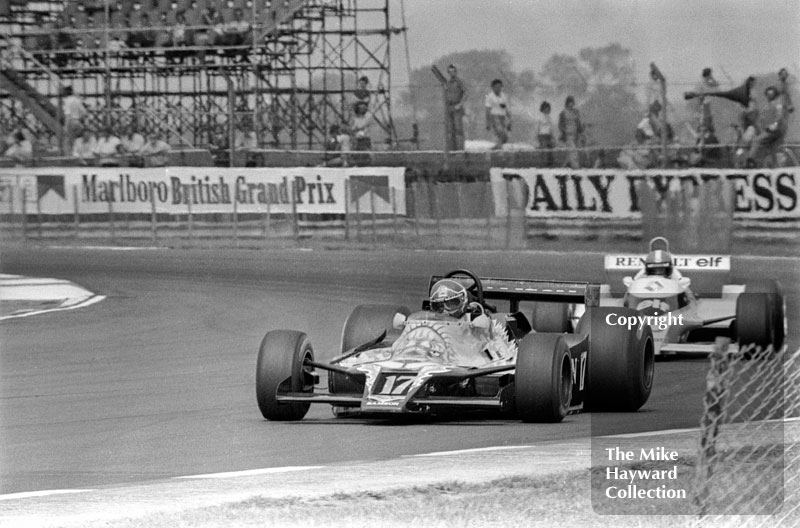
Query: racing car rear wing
[{"x": 516, "y": 290}]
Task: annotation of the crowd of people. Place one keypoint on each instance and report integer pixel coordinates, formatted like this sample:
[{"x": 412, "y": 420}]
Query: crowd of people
[{"x": 77, "y": 35}]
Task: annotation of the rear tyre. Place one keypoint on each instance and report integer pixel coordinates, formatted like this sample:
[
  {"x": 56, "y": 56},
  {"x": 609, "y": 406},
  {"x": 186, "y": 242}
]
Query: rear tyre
[
  {"x": 550, "y": 317},
  {"x": 365, "y": 323},
  {"x": 773, "y": 290},
  {"x": 281, "y": 367},
  {"x": 621, "y": 362},
  {"x": 754, "y": 321},
  {"x": 543, "y": 378}
]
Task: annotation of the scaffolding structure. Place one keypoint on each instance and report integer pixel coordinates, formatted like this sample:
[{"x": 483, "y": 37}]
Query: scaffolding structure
[{"x": 287, "y": 85}]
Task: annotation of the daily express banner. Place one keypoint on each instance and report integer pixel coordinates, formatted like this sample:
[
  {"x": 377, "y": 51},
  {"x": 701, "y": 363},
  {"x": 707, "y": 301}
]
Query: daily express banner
[
  {"x": 203, "y": 189},
  {"x": 592, "y": 193}
]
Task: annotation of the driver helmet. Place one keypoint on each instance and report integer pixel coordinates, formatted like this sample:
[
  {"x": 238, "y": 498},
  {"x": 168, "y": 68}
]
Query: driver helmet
[
  {"x": 658, "y": 262},
  {"x": 449, "y": 297}
]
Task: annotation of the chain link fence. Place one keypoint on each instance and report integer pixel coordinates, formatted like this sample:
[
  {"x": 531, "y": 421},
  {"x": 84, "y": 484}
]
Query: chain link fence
[{"x": 748, "y": 468}]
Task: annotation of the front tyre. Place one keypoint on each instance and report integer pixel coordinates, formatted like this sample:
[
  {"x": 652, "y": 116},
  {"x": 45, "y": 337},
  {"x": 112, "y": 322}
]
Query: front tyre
[
  {"x": 281, "y": 368},
  {"x": 543, "y": 378},
  {"x": 621, "y": 362}
]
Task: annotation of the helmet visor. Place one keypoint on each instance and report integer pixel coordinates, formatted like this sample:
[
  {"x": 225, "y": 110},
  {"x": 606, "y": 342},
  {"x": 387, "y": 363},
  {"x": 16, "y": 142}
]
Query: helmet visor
[{"x": 659, "y": 268}]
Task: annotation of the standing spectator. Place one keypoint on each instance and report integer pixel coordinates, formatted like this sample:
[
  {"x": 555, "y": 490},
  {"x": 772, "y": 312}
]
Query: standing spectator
[
  {"x": 454, "y": 93},
  {"x": 362, "y": 94},
  {"x": 213, "y": 20},
  {"x": 359, "y": 127},
  {"x": 74, "y": 114},
  {"x": 21, "y": 151},
  {"x": 498, "y": 113},
  {"x": 236, "y": 33},
  {"x": 774, "y": 122},
  {"x": 545, "y": 133},
  {"x": 179, "y": 38},
  {"x": 84, "y": 147},
  {"x": 783, "y": 77},
  {"x": 571, "y": 131},
  {"x": 163, "y": 35},
  {"x": 244, "y": 139},
  {"x": 155, "y": 151},
  {"x": 704, "y": 121},
  {"x": 107, "y": 149}
]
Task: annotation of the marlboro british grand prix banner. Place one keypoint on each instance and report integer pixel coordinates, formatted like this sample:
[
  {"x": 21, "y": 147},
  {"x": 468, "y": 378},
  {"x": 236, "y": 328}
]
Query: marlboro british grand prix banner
[
  {"x": 60, "y": 191},
  {"x": 592, "y": 193}
]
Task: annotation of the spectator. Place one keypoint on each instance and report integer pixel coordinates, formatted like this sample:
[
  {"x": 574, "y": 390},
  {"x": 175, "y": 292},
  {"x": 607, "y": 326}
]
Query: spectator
[
  {"x": 336, "y": 146},
  {"x": 21, "y": 150},
  {"x": 107, "y": 149},
  {"x": 360, "y": 126},
  {"x": 74, "y": 114},
  {"x": 47, "y": 145},
  {"x": 498, "y": 113},
  {"x": 571, "y": 131},
  {"x": 213, "y": 20},
  {"x": 147, "y": 35},
  {"x": 545, "y": 133},
  {"x": 155, "y": 151},
  {"x": 704, "y": 121},
  {"x": 163, "y": 35},
  {"x": 84, "y": 147},
  {"x": 179, "y": 38},
  {"x": 64, "y": 40},
  {"x": 454, "y": 93},
  {"x": 236, "y": 32},
  {"x": 637, "y": 155},
  {"x": 774, "y": 123},
  {"x": 245, "y": 139},
  {"x": 783, "y": 77},
  {"x": 362, "y": 94}
]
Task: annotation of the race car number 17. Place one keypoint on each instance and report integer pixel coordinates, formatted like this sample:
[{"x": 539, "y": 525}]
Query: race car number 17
[{"x": 397, "y": 384}]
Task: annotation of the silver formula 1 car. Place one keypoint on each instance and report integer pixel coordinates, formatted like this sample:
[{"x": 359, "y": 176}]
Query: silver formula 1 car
[{"x": 393, "y": 361}]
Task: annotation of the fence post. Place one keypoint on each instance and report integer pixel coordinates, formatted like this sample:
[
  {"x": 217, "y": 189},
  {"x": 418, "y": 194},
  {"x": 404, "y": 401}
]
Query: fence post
[
  {"x": 153, "y": 218},
  {"x": 358, "y": 219},
  {"x": 11, "y": 211},
  {"x": 24, "y": 214},
  {"x": 414, "y": 188},
  {"x": 267, "y": 220},
  {"x": 346, "y": 209},
  {"x": 111, "y": 223},
  {"x": 462, "y": 219},
  {"x": 508, "y": 214},
  {"x": 436, "y": 213},
  {"x": 38, "y": 216},
  {"x": 190, "y": 218},
  {"x": 76, "y": 220},
  {"x": 489, "y": 214},
  {"x": 295, "y": 224},
  {"x": 392, "y": 193},
  {"x": 236, "y": 220},
  {"x": 372, "y": 213}
]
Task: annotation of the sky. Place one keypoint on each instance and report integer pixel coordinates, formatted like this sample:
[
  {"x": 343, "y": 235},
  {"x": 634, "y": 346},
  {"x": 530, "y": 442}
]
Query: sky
[{"x": 734, "y": 37}]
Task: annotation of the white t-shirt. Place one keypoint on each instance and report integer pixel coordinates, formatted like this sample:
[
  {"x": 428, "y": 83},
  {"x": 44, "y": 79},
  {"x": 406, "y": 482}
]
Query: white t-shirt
[
  {"x": 497, "y": 104},
  {"x": 73, "y": 108},
  {"x": 107, "y": 146},
  {"x": 133, "y": 144}
]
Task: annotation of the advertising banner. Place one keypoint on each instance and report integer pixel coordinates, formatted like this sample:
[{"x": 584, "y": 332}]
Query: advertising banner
[
  {"x": 174, "y": 190},
  {"x": 592, "y": 193}
]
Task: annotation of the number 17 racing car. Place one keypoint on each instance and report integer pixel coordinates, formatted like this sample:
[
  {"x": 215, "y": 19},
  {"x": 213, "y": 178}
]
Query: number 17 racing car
[{"x": 461, "y": 352}]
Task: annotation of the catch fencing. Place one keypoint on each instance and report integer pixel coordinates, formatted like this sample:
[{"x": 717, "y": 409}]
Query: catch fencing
[{"x": 748, "y": 470}]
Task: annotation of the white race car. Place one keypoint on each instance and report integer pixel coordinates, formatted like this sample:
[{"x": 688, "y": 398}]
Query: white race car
[{"x": 685, "y": 314}]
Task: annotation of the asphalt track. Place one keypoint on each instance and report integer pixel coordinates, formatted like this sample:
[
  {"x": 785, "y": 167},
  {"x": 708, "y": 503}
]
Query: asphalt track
[{"x": 157, "y": 381}]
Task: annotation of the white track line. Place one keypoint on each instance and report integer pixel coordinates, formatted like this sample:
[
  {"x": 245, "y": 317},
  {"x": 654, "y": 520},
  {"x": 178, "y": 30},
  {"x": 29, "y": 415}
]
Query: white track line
[
  {"x": 42, "y": 493},
  {"x": 474, "y": 450},
  {"x": 109, "y": 248},
  {"x": 87, "y": 302},
  {"x": 251, "y": 472}
]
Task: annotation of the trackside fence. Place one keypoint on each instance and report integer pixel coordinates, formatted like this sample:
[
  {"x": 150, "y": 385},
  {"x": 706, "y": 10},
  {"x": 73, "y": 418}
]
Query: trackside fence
[
  {"x": 748, "y": 470},
  {"x": 421, "y": 215}
]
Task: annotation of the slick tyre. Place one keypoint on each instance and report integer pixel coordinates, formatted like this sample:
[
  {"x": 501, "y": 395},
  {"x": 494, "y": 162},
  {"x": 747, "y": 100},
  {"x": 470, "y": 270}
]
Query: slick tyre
[
  {"x": 281, "y": 368},
  {"x": 755, "y": 322},
  {"x": 543, "y": 378},
  {"x": 365, "y": 323},
  {"x": 621, "y": 362},
  {"x": 773, "y": 290},
  {"x": 550, "y": 317}
]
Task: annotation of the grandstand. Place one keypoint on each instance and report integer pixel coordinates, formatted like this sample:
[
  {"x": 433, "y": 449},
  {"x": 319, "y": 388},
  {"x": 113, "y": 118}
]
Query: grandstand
[{"x": 284, "y": 69}]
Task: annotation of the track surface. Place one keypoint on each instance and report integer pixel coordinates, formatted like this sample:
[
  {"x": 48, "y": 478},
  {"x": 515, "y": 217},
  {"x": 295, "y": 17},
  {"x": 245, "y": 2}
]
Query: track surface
[{"x": 157, "y": 381}]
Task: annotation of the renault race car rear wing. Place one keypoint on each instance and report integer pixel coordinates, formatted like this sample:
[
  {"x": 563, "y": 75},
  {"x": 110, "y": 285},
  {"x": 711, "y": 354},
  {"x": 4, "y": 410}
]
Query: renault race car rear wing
[{"x": 516, "y": 290}]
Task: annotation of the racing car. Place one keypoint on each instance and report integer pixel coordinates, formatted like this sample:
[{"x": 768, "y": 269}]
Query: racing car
[
  {"x": 685, "y": 321},
  {"x": 461, "y": 352}
]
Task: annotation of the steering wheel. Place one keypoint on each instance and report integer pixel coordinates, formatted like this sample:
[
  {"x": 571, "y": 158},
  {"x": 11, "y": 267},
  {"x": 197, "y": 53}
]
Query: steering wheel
[{"x": 477, "y": 286}]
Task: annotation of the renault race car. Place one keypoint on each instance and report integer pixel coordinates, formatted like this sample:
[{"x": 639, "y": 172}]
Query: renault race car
[
  {"x": 393, "y": 361},
  {"x": 688, "y": 314}
]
